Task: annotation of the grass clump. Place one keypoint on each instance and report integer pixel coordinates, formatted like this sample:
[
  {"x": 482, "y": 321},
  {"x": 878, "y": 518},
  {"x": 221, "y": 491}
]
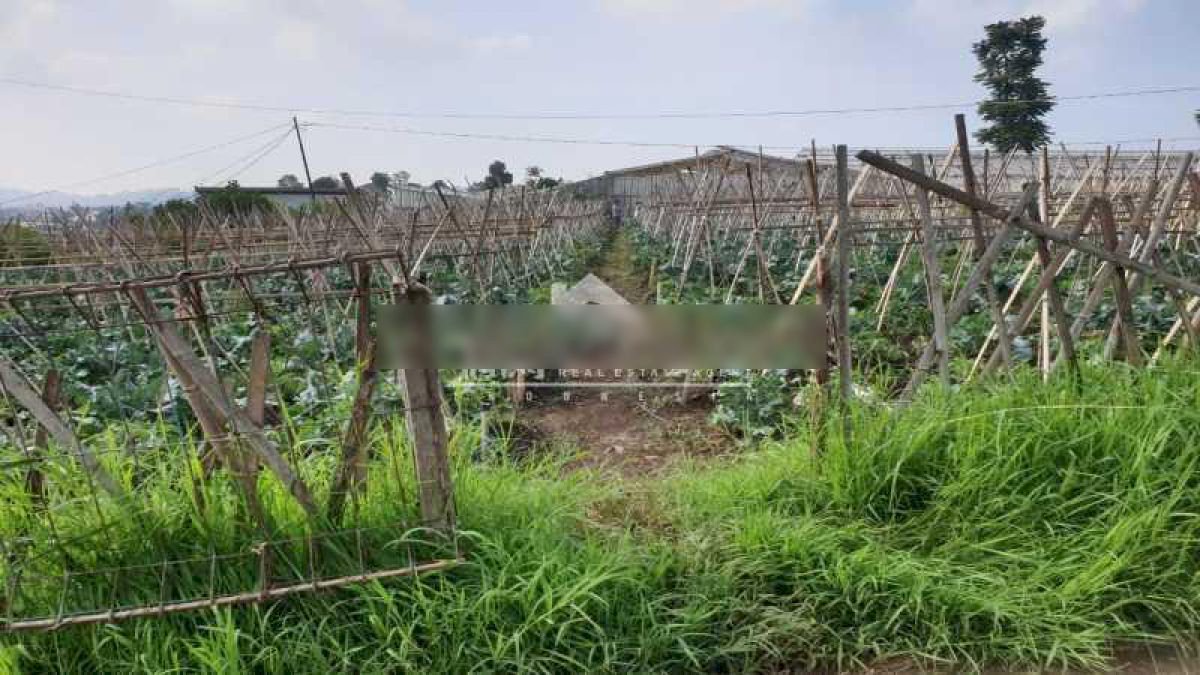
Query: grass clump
[{"x": 1016, "y": 523}]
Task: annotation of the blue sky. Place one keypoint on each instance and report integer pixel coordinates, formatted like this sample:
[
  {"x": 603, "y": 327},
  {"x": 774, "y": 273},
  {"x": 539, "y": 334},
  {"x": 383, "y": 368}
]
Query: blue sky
[{"x": 525, "y": 56}]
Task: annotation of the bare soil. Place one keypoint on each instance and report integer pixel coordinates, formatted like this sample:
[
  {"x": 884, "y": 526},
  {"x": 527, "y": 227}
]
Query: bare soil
[{"x": 630, "y": 434}]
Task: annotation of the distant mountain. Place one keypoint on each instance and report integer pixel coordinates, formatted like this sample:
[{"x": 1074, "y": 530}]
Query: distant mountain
[{"x": 24, "y": 200}]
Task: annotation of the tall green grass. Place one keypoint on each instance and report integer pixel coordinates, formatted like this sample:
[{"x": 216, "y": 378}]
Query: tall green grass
[{"x": 1015, "y": 523}]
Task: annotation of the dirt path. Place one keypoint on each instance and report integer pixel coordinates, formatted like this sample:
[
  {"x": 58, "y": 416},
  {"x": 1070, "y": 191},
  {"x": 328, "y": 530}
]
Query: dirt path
[
  {"x": 619, "y": 271},
  {"x": 625, "y": 430}
]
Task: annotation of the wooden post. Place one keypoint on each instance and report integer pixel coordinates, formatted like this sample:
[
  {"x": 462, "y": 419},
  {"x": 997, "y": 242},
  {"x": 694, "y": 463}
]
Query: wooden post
[
  {"x": 426, "y": 425},
  {"x": 212, "y": 395},
  {"x": 1123, "y": 323},
  {"x": 15, "y": 384},
  {"x": 1150, "y": 245},
  {"x": 260, "y": 375},
  {"x": 995, "y": 211},
  {"x": 352, "y": 468},
  {"x": 827, "y": 240},
  {"x": 933, "y": 277},
  {"x": 35, "y": 482},
  {"x": 256, "y": 388},
  {"x": 844, "y": 235},
  {"x": 964, "y": 154},
  {"x": 820, "y": 392},
  {"x": 821, "y": 260},
  {"x": 764, "y": 269},
  {"x": 961, "y": 301},
  {"x": 1054, "y": 307},
  {"x": 1100, "y": 281},
  {"x": 1045, "y": 356}
]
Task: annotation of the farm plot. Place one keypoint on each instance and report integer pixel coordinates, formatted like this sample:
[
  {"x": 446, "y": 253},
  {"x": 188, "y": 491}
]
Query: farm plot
[
  {"x": 195, "y": 419},
  {"x": 1068, "y": 258}
]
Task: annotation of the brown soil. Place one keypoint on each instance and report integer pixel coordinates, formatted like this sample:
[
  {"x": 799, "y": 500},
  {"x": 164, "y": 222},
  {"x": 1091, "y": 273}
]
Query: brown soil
[{"x": 630, "y": 434}]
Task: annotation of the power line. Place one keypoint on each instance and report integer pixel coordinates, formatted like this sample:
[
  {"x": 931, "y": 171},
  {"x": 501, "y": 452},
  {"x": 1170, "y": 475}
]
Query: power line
[
  {"x": 336, "y": 112},
  {"x": 252, "y": 157},
  {"x": 151, "y": 165},
  {"x": 260, "y": 156},
  {"x": 247, "y": 160}
]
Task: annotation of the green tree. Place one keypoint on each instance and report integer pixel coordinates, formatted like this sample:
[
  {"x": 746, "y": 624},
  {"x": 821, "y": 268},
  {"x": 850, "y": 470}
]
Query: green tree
[
  {"x": 233, "y": 200},
  {"x": 498, "y": 176},
  {"x": 289, "y": 180},
  {"x": 1009, "y": 56},
  {"x": 537, "y": 181},
  {"x": 179, "y": 209},
  {"x": 326, "y": 183},
  {"x": 21, "y": 245}
]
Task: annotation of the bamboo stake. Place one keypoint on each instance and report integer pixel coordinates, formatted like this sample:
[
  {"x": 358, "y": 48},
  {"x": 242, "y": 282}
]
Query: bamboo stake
[
  {"x": 19, "y": 388},
  {"x": 962, "y": 299},
  {"x": 1124, "y": 319},
  {"x": 182, "y": 357},
  {"x": 998, "y": 318},
  {"x": 933, "y": 277},
  {"x": 352, "y": 467},
  {"x": 954, "y": 194}
]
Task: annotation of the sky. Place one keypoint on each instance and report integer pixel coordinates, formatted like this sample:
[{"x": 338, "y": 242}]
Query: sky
[{"x": 426, "y": 62}]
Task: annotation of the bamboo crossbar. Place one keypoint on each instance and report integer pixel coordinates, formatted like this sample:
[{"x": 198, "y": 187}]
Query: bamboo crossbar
[{"x": 250, "y": 597}]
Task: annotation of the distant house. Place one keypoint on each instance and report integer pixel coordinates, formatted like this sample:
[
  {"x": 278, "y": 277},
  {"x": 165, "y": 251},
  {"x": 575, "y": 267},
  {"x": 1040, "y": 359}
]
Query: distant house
[{"x": 287, "y": 197}]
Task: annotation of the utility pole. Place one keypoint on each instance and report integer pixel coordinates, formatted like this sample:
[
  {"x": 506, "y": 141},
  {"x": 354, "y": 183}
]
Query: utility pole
[{"x": 304, "y": 158}]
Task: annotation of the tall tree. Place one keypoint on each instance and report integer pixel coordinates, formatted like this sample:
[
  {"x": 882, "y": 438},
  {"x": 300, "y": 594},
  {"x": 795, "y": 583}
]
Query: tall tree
[
  {"x": 535, "y": 179},
  {"x": 1009, "y": 56},
  {"x": 326, "y": 183},
  {"x": 289, "y": 180},
  {"x": 233, "y": 200},
  {"x": 498, "y": 176}
]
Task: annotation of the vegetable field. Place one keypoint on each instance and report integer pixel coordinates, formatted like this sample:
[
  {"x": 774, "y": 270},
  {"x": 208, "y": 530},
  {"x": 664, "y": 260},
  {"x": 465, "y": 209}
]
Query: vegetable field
[{"x": 204, "y": 467}]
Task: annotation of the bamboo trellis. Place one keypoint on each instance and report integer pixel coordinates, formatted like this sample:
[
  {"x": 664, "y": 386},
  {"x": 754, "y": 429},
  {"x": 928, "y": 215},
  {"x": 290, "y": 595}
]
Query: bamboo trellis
[
  {"x": 1099, "y": 237},
  {"x": 203, "y": 303}
]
